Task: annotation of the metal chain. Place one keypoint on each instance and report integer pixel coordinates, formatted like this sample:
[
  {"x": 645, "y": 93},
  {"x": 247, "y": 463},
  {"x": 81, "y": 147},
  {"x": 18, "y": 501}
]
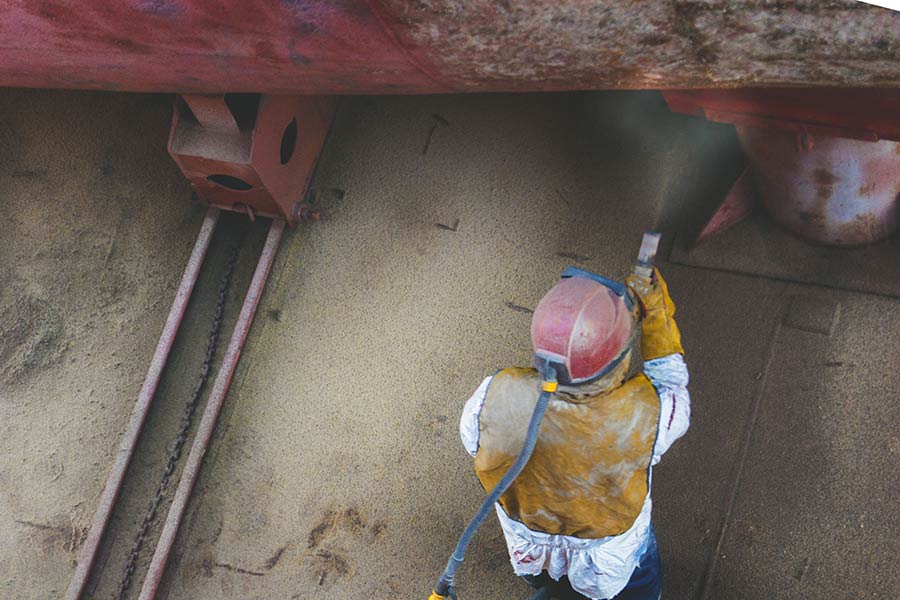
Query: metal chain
[{"x": 186, "y": 420}]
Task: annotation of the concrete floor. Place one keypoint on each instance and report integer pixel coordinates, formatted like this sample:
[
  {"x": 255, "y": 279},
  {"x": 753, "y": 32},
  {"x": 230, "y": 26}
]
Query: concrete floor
[{"x": 337, "y": 470}]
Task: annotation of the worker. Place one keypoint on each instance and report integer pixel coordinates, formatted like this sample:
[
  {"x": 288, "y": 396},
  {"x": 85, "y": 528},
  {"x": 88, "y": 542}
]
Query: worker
[{"x": 577, "y": 518}]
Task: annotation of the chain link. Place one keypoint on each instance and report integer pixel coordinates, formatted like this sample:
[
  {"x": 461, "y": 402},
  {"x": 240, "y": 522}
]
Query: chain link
[{"x": 186, "y": 420}]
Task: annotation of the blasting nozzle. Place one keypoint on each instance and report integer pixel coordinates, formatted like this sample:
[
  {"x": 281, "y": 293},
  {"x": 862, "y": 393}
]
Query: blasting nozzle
[{"x": 647, "y": 254}]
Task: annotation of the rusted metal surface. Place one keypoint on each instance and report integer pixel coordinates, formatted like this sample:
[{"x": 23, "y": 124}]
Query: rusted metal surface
[
  {"x": 211, "y": 413},
  {"x": 436, "y": 46},
  {"x": 88, "y": 550},
  {"x": 835, "y": 191},
  {"x": 249, "y": 153},
  {"x": 815, "y": 155},
  {"x": 740, "y": 202},
  {"x": 703, "y": 43}
]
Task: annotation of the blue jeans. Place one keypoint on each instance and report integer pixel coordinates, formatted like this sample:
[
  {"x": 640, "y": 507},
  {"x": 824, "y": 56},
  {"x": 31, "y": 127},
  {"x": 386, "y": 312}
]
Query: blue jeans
[{"x": 645, "y": 582}]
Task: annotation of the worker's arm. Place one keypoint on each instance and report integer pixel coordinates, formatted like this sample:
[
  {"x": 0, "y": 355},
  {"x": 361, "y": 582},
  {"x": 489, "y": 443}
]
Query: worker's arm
[
  {"x": 659, "y": 332},
  {"x": 469, "y": 428},
  {"x": 669, "y": 375},
  {"x": 663, "y": 359}
]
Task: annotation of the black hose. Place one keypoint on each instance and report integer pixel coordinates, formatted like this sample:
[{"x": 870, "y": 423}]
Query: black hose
[{"x": 444, "y": 587}]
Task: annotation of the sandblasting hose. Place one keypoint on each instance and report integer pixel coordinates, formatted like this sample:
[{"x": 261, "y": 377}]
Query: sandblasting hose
[{"x": 444, "y": 587}]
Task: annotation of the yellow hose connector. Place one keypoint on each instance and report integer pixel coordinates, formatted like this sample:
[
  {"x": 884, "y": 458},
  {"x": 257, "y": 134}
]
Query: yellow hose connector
[
  {"x": 434, "y": 596},
  {"x": 547, "y": 386}
]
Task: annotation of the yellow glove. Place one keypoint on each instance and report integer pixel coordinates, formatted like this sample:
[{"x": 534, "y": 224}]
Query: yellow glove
[{"x": 659, "y": 332}]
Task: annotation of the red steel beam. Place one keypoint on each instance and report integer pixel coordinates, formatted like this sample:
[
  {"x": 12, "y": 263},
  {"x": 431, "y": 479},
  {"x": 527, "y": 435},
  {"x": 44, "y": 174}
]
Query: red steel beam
[
  {"x": 852, "y": 113},
  {"x": 211, "y": 413},
  {"x": 116, "y": 475}
]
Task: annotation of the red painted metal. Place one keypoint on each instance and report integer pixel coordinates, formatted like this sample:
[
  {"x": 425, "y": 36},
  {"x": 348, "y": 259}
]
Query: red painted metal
[
  {"x": 838, "y": 191},
  {"x": 804, "y": 131},
  {"x": 850, "y": 113},
  {"x": 250, "y": 153},
  {"x": 202, "y": 46},
  {"x": 88, "y": 550},
  {"x": 398, "y": 46},
  {"x": 211, "y": 413},
  {"x": 821, "y": 159},
  {"x": 740, "y": 202}
]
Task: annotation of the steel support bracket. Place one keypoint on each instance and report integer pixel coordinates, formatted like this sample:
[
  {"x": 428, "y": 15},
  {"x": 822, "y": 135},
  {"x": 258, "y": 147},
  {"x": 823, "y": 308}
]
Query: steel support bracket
[
  {"x": 740, "y": 201},
  {"x": 251, "y": 153}
]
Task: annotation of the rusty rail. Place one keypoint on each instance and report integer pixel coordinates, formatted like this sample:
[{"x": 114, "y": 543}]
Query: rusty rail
[
  {"x": 211, "y": 413},
  {"x": 110, "y": 493}
]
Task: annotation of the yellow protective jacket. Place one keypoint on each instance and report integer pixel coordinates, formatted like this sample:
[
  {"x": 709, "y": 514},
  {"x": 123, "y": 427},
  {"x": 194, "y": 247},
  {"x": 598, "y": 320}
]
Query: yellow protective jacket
[{"x": 588, "y": 475}]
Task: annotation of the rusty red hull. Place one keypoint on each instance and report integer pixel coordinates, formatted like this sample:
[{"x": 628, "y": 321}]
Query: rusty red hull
[
  {"x": 397, "y": 46},
  {"x": 825, "y": 163},
  {"x": 838, "y": 191}
]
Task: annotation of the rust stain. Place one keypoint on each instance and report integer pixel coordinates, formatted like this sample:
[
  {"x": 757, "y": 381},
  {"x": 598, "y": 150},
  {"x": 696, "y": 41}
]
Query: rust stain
[
  {"x": 684, "y": 24},
  {"x": 864, "y": 227},
  {"x": 266, "y": 51},
  {"x": 824, "y": 180},
  {"x": 127, "y": 45},
  {"x": 824, "y": 177},
  {"x": 53, "y": 11},
  {"x": 810, "y": 217},
  {"x": 655, "y": 39},
  {"x": 865, "y": 190}
]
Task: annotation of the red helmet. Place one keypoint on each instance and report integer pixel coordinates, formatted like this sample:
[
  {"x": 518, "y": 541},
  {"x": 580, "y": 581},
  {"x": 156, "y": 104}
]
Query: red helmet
[{"x": 582, "y": 326}]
